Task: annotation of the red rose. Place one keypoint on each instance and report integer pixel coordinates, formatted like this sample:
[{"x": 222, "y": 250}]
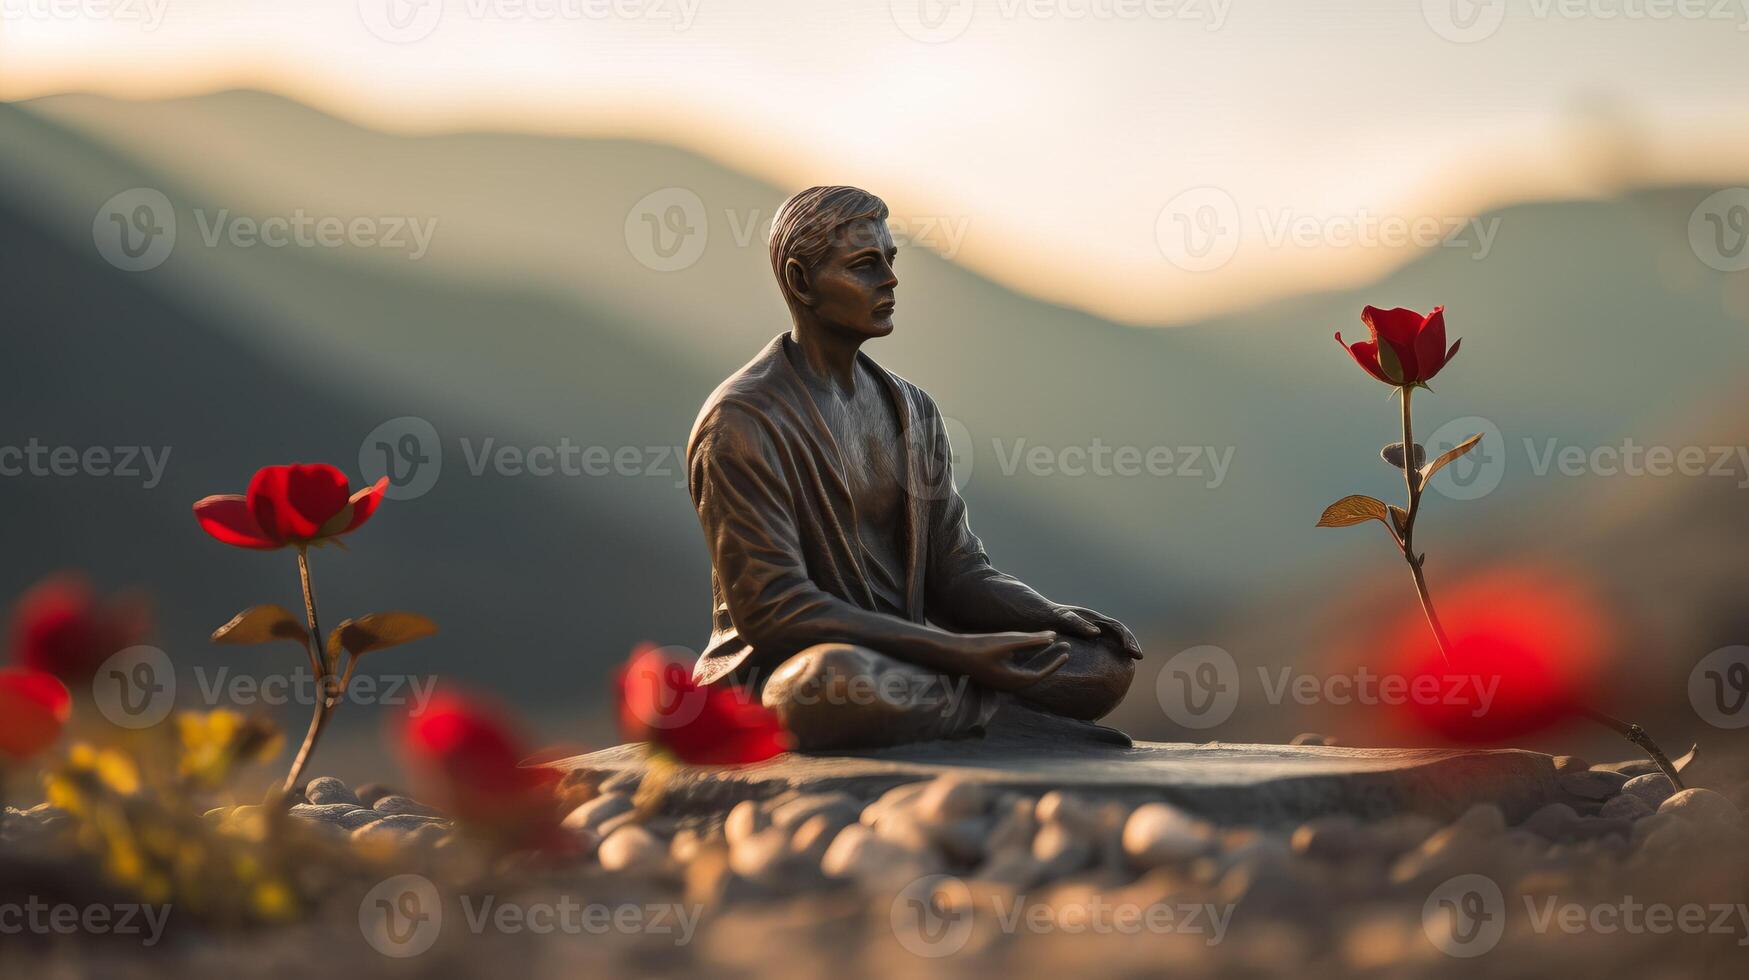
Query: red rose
[
  {"x": 60, "y": 626},
  {"x": 1406, "y": 348},
  {"x": 709, "y": 726},
  {"x": 33, "y": 707},
  {"x": 468, "y": 758},
  {"x": 300, "y": 504}
]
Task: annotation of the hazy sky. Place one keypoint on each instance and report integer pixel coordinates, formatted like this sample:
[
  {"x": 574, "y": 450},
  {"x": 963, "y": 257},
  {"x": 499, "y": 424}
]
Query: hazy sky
[{"x": 1149, "y": 159}]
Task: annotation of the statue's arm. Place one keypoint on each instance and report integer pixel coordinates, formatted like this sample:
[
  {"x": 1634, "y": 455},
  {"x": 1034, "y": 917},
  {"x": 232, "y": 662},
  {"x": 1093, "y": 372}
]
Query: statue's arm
[
  {"x": 963, "y": 590},
  {"x": 738, "y": 485}
]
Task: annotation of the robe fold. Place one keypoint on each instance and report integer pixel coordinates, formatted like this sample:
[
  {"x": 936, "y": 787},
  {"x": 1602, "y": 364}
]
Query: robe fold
[{"x": 769, "y": 483}]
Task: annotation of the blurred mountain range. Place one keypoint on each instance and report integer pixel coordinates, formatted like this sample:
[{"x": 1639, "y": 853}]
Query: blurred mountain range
[{"x": 539, "y": 317}]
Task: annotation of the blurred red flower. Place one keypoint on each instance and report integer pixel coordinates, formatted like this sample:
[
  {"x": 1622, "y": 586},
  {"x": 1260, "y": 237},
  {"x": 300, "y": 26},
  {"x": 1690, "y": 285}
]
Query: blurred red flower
[
  {"x": 708, "y": 726},
  {"x": 1406, "y": 348},
  {"x": 1527, "y": 651},
  {"x": 33, "y": 708},
  {"x": 467, "y": 757},
  {"x": 61, "y": 626},
  {"x": 298, "y": 505}
]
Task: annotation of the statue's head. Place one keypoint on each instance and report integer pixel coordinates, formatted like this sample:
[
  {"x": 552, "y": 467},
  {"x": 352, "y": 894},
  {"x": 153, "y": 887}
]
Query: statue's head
[{"x": 833, "y": 257}]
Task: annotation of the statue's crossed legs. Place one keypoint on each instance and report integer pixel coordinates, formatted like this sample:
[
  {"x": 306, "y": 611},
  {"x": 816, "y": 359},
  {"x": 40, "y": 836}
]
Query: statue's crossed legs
[{"x": 841, "y": 696}]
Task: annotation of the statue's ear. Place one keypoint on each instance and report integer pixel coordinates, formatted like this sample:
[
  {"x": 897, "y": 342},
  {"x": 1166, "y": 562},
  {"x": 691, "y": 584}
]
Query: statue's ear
[{"x": 795, "y": 279}]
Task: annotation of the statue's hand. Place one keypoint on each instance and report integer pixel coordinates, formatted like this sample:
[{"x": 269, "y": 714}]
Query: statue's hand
[
  {"x": 1012, "y": 661},
  {"x": 1085, "y": 622}
]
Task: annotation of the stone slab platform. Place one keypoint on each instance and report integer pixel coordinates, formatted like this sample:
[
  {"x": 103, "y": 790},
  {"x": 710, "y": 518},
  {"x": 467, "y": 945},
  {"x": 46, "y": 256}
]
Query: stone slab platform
[{"x": 1224, "y": 782}]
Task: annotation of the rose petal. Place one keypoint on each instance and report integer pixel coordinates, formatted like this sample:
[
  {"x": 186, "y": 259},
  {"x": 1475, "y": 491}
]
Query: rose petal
[
  {"x": 364, "y": 503},
  {"x": 227, "y": 517},
  {"x": 33, "y": 708},
  {"x": 293, "y": 502}
]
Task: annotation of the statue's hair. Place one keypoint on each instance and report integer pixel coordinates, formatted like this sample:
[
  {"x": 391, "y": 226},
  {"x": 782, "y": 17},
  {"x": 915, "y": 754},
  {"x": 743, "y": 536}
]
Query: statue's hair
[{"x": 804, "y": 224}]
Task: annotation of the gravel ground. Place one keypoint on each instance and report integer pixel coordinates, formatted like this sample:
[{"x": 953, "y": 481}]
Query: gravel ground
[{"x": 1627, "y": 878}]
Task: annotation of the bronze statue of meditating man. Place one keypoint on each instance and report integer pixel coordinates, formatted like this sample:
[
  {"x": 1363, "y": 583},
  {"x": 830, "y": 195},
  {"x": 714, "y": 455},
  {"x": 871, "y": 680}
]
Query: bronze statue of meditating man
[{"x": 847, "y": 587}]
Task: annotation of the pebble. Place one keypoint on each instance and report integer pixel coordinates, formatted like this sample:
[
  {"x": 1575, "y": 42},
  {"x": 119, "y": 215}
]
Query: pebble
[
  {"x": 593, "y": 813},
  {"x": 962, "y": 840},
  {"x": 1060, "y": 850},
  {"x": 1017, "y": 869},
  {"x": 840, "y": 807},
  {"x": 327, "y": 789},
  {"x": 622, "y": 782},
  {"x": 1311, "y": 738},
  {"x": 1060, "y": 807},
  {"x": 951, "y": 798},
  {"x": 1654, "y": 788},
  {"x": 1483, "y": 820},
  {"x": 759, "y": 856},
  {"x": 1014, "y": 828},
  {"x": 1570, "y": 763},
  {"x": 745, "y": 820},
  {"x": 1159, "y": 833},
  {"x": 606, "y": 827},
  {"x": 815, "y": 835},
  {"x": 326, "y": 813},
  {"x": 1627, "y": 806},
  {"x": 1552, "y": 821},
  {"x": 394, "y": 803},
  {"x": 1593, "y": 784},
  {"x": 861, "y": 855},
  {"x": 1630, "y": 768},
  {"x": 1703, "y": 807},
  {"x": 633, "y": 849},
  {"x": 893, "y": 799},
  {"x": 395, "y": 827},
  {"x": 1329, "y": 838},
  {"x": 370, "y": 793}
]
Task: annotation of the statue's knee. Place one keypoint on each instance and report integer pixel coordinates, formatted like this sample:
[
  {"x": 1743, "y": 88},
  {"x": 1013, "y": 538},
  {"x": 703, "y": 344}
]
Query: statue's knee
[{"x": 819, "y": 668}]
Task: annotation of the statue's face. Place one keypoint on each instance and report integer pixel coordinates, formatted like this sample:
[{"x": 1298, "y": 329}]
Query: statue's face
[{"x": 853, "y": 285}]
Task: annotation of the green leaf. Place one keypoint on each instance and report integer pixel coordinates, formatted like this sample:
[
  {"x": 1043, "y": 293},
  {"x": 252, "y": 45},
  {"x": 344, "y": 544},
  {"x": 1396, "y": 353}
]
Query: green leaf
[
  {"x": 1351, "y": 510},
  {"x": 378, "y": 631},
  {"x": 262, "y": 624},
  {"x": 1449, "y": 455}
]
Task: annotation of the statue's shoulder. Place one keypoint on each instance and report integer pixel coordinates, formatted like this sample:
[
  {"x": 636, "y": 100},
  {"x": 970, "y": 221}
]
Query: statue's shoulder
[{"x": 758, "y": 391}]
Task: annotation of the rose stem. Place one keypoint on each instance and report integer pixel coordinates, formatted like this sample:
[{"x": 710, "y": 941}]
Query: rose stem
[
  {"x": 1412, "y": 479},
  {"x": 319, "y": 719}
]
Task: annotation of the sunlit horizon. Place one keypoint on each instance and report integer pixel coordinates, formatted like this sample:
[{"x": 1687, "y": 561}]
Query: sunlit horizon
[{"x": 1155, "y": 170}]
